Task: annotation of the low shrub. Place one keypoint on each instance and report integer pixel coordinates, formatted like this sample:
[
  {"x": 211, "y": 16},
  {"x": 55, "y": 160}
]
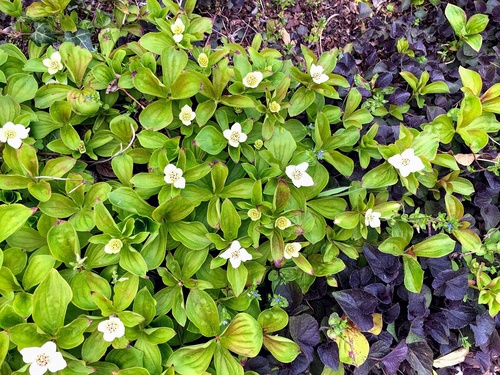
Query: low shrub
[{"x": 172, "y": 209}]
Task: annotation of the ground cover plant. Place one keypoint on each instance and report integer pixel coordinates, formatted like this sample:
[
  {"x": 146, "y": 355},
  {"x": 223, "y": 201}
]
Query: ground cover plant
[{"x": 173, "y": 207}]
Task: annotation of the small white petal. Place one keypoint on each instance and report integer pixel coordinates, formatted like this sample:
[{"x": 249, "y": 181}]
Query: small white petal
[
  {"x": 236, "y": 127},
  {"x": 178, "y": 38},
  {"x": 235, "y": 262},
  {"x": 227, "y": 134},
  {"x": 14, "y": 142},
  {"x": 35, "y": 369},
  {"x": 29, "y": 354},
  {"x": 180, "y": 183},
  {"x": 303, "y": 166},
  {"x": 409, "y": 153},
  {"x": 56, "y": 56},
  {"x": 306, "y": 180},
  {"x": 395, "y": 161},
  {"x": 243, "y": 137},
  {"x": 57, "y": 363},
  {"x": 3, "y": 138}
]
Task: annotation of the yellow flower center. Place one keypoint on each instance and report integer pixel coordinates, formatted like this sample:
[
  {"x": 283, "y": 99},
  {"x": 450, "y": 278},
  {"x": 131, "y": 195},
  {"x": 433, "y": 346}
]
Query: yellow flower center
[
  {"x": 405, "y": 162},
  {"x": 235, "y": 254},
  {"x": 186, "y": 115},
  {"x": 203, "y": 60},
  {"x": 42, "y": 359},
  {"x": 10, "y": 134},
  {"x": 254, "y": 214},
  {"x": 235, "y": 136},
  {"x": 317, "y": 75},
  {"x": 290, "y": 249},
  {"x": 371, "y": 217},
  {"x": 282, "y": 222},
  {"x": 252, "y": 79},
  {"x": 274, "y": 107},
  {"x": 111, "y": 326},
  {"x": 297, "y": 174},
  {"x": 177, "y": 29},
  {"x": 115, "y": 245},
  {"x": 174, "y": 176}
]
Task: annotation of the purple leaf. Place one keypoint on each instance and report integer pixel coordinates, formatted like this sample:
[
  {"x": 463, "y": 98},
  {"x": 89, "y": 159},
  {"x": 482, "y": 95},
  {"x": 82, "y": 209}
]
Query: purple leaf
[
  {"x": 420, "y": 358},
  {"x": 358, "y": 305},
  {"x": 459, "y": 315},
  {"x": 452, "y": 284},
  {"x": 329, "y": 354},
  {"x": 397, "y": 355},
  {"x": 437, "y": 327},
  {"x": 385, "y": 266},
  {"x": 491, "y": 216},
  {"x": 483, "y": 329},
  {"x": 304, "y": 330}
]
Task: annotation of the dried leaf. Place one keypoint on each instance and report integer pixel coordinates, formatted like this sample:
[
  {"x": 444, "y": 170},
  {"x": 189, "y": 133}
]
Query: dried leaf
[
  {"x": 464, "y": 159},
  {"x": 451, "y": 359}
]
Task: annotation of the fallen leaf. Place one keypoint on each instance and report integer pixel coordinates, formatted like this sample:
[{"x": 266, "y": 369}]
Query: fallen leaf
[
  {"x": 451, "y": 359},
  {"x": 464, "y": 159}
]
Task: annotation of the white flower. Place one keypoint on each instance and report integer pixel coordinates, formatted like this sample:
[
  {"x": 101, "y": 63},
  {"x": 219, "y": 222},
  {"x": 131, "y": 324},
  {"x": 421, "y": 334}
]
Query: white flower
[
  {"x": 13, "y": 134},
  {"x": 234, "y": 135},
  {"x": 298, "y": 175},
  {"x": 236, "y": 254},
  {"x": 406, "y": 162},
  {"x": 282, "y": 223},
  {"x": 317, "y": 74},
  {"x": 113, "y": 246},
  {"x": 187, "y": 115},
  {"x": 253, "y": 79},
  {"x": 372, "y": 218},
  {"x": 292, "y": 250},
  {"x": 53, "y": 64},
  {"x": 173, "y": 175},
  {"x": 112, "y": 328},
  {"x": 274, "y": 107},
  {"x": 178, "y": 29},
  {"x": 43, "y": 359}
]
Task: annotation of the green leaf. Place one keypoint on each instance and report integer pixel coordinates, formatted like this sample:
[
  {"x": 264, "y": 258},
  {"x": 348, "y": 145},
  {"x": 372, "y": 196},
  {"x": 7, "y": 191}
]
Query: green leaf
[
  {"x": 84, "y": 284},
  {"x": 173, "y": 62},
  {"x": 49, "y": 94},
  {"x": 340, "y": 162},
  {"x": 243, "y": 336},
  {"x": 76, "y": 59},
  {"x": 190, "y": 234},
  {"x": 380, "y": 176},
  {"x": 456, "y": 16},
  {"x": 273, "y": 319},
  {"x": 157, "y": 115},
  {"x": 13, "y": 182},
  {"x": 225, "y": 363},
  {"x": 474, "y": 41},
  {"x": 125, "y": 290},
  {"x": 4, "y": 345},
  {"x": 238, "y": 101},
  {"x": 71, "y": 335},
  {"x": 186, "y": 86},
  {"x": 21, "y": 87},
  {"x": 300, "y": 101},
  {"x": 237, "y": 278},
  {"x": 12, "y": 217},
  {"x": 454, "y": 207},
  {"x": 193, "y": 359},
  {"x": 476, "y": 24},
  {"x": 471, "y": 80},
  {"x": 9, "y": 109},
  {"x": 132, "y": 261},
  {"x": 230, "y": 221},
  {"x": 211, "y": 140},
  {"x": 82, "y": 38},
  {"x": 436, "y": 246},
  {"x": 413, "y": 274},
  {"x": 37, "y": 269},
  {"x": 145, "y": 305},
  {"x": 147, "y": 83},
  {"x": 394, "y": 246},
  {"x": 94, "y": 347},
  {"x": 58, "y": 167},
  {"x": 174, "y": 209},
  {"x": 50, "y": 301},
  {"x": 469, "y": 240},
  {"x": 283, "y": 349},
  {"x": 63, "y": 242},
  {"x": 128, "y": 200},
  {"x": 282, "y": 145},
  {"x": 202, "y": 312}
]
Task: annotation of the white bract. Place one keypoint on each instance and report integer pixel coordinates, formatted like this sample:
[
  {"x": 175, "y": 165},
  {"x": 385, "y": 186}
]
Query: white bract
[
  {"x": 178, "y": 29},
  {"x": 298, "y": 175},
  {"x": 113, "y": 246},
  {"x": 173, "y": 175},
  {"x": 292, "y": 250},
  {"x": 112, "y": 328},
  {"x": 406, "y": 162},
  {"x": 253, "y": 79},
  {"x": 13, "y": 134},
  {"x": 187, "y": 115},
  {"x": 54, "y": 63},
  {"x": 44, "y": 358},
  {"x": 235, "y": 135},
  {"x": 372, "y": 218},
  {"x": 317, "y": 74},
  {"x": 236, "y": 254}
]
